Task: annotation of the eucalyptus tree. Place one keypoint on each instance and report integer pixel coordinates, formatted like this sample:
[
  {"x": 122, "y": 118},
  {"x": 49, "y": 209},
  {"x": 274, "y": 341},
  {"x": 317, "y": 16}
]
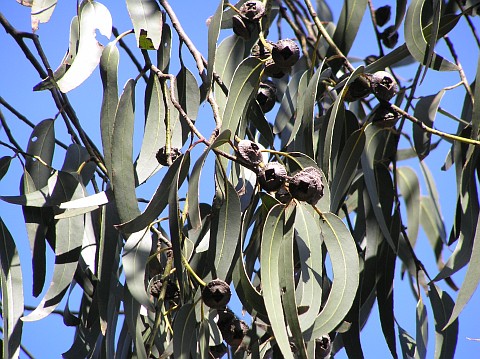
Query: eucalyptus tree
[{"x": 305, "y": 207}]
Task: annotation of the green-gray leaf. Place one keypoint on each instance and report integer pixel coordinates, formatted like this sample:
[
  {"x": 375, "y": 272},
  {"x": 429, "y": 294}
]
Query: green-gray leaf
[{"x": 147, "y": 21}]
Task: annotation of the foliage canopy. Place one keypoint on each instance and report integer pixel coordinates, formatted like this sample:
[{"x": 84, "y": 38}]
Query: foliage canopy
[{"x": 312, "y": 207}]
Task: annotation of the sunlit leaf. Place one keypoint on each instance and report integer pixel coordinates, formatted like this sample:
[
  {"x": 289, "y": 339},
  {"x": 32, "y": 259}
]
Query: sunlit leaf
[
  {"x": 108, "y": 71},
  {"x": 147, "y": 22},
  {"x": 298, "y": 111},
  {"x": 93, "y": 16},
  {"x": 242, "y": 90},
  {"x": 288, "y": 102},
  {"x": 348, "y": 24},
  {"x": 41, "y": 10},
  {"x": 417, "y": 43},
  {"x": 407, "y": 343},
  {"x": 344, "y": 258},
  {"x": 11, "y": 283},
  {"x": 122, "y": 172},
  {"x": 273, "y": 232},
  {"x": 135, "y": 254},
  {"x": 445, "y": 338}
]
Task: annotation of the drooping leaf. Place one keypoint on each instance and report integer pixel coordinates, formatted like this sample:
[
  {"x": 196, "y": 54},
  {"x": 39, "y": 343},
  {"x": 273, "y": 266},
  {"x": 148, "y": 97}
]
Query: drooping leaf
[
  {"x": 135, "y": 255},
  {"x": 410, "y": 189},
  {"x": 407, "y": 343},
  {"x": 134, "y": 324},
  {"x": 4, "y": 165},
  {"x": 416, "y": 42},
  {"x": 93, "y": 16},
  {"x": 147, "y": 21},
  {"x": 213, "y": 32},
  {"x": 165, "y": 49},
  {"x": 11, "y": 283},
  {"x": 298, "y": 111},
  {"x": 108, "y": 71},
  {"x": 242, "y": 90},
  {"x": 122, "y": 171},
  {"x": 188, "y": 96},
  {"x": 344, "y": 258},
  {"x": 273, "y": 232},
  {"x": 288, "y": 102},
  {"x": 445, "y": 338},
  {"x": 425, "y": 110},
  {"x": 422, "y": 329},
  {"x": 346, "y": 168},
  {"x": 184, "y": 331}
]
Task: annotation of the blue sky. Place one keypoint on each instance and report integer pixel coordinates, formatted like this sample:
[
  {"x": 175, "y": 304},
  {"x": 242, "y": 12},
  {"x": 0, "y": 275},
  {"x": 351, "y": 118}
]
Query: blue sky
[{"x": 49, "y": 338}]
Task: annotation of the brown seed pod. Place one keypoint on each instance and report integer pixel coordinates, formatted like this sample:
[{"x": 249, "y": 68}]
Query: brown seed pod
[
  {"x": 358, "y": 89},
  {"x": 216, "y": 294},
  {"x": 383, "y": 85},
  {"x": 382, "y": 15},
  {"x": 240, "y": 28},
  {"x": 370, "y": 59},
  {"x": 272, "y": 69},
  {"x": 162, "y": 156},
  {"x": 252, "y": 10},
  {"x": 260, "y": 51},
  {"x": 233, "y": 329},
  {"x": 250, "y": 152},
  {"x": 155, "y": 288},
  {"x": 266, "y": 95},
  {"x": 272, "y": 176},
  {"x": 323, "y": 347},
  {"x": 307, "y": 185},
  {"x": 283, "y": 195},
  {"x": 285, "y": 53},
  {"x": 385, "y": 116},
  {"x": 389, "y": 37}
]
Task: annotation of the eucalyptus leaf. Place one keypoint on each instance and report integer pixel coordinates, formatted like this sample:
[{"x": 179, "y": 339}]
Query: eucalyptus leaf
[{"x": 147, "y": 21}]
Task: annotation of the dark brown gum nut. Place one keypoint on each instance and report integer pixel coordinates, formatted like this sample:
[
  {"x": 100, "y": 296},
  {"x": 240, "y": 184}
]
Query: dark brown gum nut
[
  {"x": 250, "y": 152},
  {"x": 283, "y": 195},
  {"x": 216, "y": 294},
  {"x": 385, "y": 116},
  {"x": 260, "y": 51},
  {"x": 383, "y": 85},
  {"x": 233, "y": 329},
  {"x": 162, "y": 156},
  {"x": 358, "y": 89},
  {"x": 307, "y": 185},
  {"x": 155, "y": 288},
  {"x": 272, "y": 176},
  {"x": 370, "y": 59},
  {"x": 240, "y": 28},
  {"x": 267, "y": 95},
  {"x": 389, "y": 37},
  {"x": 323, "y": 347},
  {"x": 382, "y": 15},
  {"x": 252, "y": 10},
  {"x": 285, "y": 53},
  {"x": 273, "y": 70}
]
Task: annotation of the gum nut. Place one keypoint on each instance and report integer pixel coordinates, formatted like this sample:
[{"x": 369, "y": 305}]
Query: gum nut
[
  {"x": 155, "y": 288},
  {"x": 272, "y": 69},
  {"x": 239, "y": 28},
  {"x": 285, "y": 53},
  {"x": 267, "y": 95},
  {"x": 370, "y": 59},
  {"x": 382, "y": 15},
  {"x": 162, "y": 156},
  {"x": 283, "y": 195},
  {"x": 323, "y": 347},
  {"x": 233, "y": 329},
  {"x": 250, "y": 152},
  {"x": 216, "y": 294},
  {"x": 358, "y": 89},
  {"x": 385, "y": 116},
  {"x": 383, "y": 85},
  {"x": 307, "y": 185},
  {"x": 260, "y": 51},
  {"x": 252, "y": 10},
  {"x": 272, "y": 176},
  {"x": 389, "y": 37}
]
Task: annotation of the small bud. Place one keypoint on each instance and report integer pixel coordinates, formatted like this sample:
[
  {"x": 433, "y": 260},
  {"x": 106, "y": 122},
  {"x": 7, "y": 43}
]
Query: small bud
[
  {"x": 323, "y": 347},
  {"x": 216, "y": 294},
  {"x": 383, "y": 85},
  {"x": 266, "y": 95},
  {"x": 382, "y": 15},
  {"x": 285, "y": 53},
  {"x": 307, "y": 185},
  {"x": 233, "y": 329},
  {"x": 250, "y": 152},
  {"x": 162, "y": 156},
  {"x": 389, "y": 37},
  {"x": 272, "y": 176},
  {"x": 252, "y": 10}
]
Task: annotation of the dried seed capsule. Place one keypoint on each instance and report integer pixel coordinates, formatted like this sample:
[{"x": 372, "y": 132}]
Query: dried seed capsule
[
  {"x": 272, "y": 176},
  {"x": 382, "y": 15},
  {"x": 323, "y": 347},
  {"x": 385, "y": 116},
  {"x": 252, "y": 10},
  {"x": 307, "y": 185},
  {"x": 358, "y": 89},
  {"x": 272, "y": 69},
  {"x": 383, "y": 85},
  {"x": 240, "y": 28},
  {"x": 162, "y": 156},
  {"x": 250, "y": 152},
  {"x": 233, "y": 329},
  {"x": 216, "y": 294},
  {"x": 260, "y": 51},
  {"x": 267, "y": 95},
  {"x": 155, "y": 288},
  {"x": 389, "y": 37},
  {"x": 283, "y": 195},
  {"x": 285, "y": 53},
  {"x": 370, "y": 59}
]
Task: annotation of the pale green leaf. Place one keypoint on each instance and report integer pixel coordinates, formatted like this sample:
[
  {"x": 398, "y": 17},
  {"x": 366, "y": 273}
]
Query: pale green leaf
[
  {"x": 422, "y": 330},
  {"x": 348, "y": 24},
  {"x": 147, "y": 21},
  {"x": 288, "y": 103},
  {"x": 184, "y": 331},
  {"x": 41, "y": 10},
  {"x": 213, "y": 33},
  {"x": 410, "y": 189}
]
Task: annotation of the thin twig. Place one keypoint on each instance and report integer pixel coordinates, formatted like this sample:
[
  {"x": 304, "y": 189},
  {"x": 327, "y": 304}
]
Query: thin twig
[{"x": 128, "y": 51}]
